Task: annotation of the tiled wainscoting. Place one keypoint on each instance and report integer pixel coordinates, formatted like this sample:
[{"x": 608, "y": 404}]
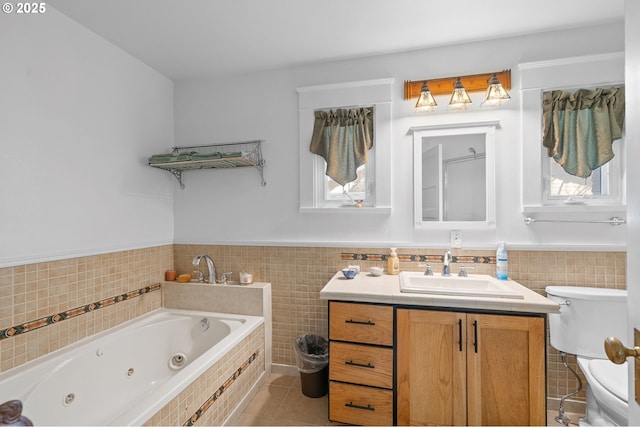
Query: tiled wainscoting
[
  {"x": 48, "y": 305},
  {"x": 297, "y": 274}
]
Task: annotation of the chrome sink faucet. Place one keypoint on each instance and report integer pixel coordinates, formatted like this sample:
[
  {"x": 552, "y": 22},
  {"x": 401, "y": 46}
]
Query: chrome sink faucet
[
  {"x": 445, "y": 267},
  {"x": 210, "y": 266}
]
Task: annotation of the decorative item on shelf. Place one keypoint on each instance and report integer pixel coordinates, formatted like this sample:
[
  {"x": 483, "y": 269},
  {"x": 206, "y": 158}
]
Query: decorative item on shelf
[
  {"x": 349, "y": 273},
  {"x": 376, "y": 271},
  {"x": 246, "y": 278},
  {"x": 184, "y": 278},
  {"x": 355, "y": 267},
  {"x": 495, "y": 84},
  {"x": 170, "y": 275}
]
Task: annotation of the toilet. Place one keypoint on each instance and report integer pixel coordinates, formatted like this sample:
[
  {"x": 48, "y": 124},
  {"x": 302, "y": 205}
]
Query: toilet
[{"x": 588, "y": 316}]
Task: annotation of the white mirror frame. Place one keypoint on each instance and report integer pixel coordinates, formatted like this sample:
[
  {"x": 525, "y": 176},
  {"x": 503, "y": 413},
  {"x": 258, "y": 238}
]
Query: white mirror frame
[{"x": 486, "y": 128}]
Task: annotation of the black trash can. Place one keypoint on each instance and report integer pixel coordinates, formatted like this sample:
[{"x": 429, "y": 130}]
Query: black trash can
[{"x": 312, "y": 356}]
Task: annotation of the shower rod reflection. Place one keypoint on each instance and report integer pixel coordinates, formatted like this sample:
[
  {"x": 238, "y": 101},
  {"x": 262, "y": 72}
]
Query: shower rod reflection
[{"x": 612, "y": 221}]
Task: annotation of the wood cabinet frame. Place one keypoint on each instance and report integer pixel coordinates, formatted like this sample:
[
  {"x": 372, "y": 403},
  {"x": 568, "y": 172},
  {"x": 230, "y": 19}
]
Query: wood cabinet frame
[{"x": 489, "y": 366}]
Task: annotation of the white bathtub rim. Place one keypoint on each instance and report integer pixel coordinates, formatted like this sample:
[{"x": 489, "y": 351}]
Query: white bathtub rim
[{"x": 61, "y": 356}]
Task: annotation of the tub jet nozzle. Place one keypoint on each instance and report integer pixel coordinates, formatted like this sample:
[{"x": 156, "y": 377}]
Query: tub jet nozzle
[{"x": 177, "y": 361}]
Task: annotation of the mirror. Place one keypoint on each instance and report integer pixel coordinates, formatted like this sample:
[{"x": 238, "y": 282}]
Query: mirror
[{"x": 454, "y": 175}]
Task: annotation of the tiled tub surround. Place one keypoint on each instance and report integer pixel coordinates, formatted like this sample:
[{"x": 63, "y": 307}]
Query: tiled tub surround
[
  {"x": 297, "y": 274},
  {"x": 131, "y": 368},
  {"x": 38, "y": 291}
]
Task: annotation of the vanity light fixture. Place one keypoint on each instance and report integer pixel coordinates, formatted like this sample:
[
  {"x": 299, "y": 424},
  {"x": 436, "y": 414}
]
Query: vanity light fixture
[
  {"x": 426, "y": 101},
  {"x": 459, "y": 98},
  {"x": 470, "y": 83},
  {"x": 496, "y": 94}
]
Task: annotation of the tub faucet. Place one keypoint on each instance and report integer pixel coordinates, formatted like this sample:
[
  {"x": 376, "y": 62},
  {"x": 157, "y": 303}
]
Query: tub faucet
[
  {"x": 445, "y": 267},
  {"x": 210, "y": 266}
]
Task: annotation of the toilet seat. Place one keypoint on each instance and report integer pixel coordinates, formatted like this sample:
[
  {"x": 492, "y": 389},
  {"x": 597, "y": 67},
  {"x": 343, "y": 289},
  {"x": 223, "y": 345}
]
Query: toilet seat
[
  {"x": 609, "y": 384},
  {"x": 612, "y": 377}
]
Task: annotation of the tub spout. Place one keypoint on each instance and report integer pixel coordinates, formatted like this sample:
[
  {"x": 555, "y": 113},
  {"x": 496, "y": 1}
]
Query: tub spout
[{"x": 210, "y": 266}]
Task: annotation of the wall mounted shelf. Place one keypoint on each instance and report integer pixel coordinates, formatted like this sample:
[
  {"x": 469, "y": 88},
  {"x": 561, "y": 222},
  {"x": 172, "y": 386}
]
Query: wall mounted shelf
[{"x": 212, "y": 156}]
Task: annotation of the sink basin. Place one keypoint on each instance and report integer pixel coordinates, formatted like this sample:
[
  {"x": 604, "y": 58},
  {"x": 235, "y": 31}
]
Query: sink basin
[{"x": 476, "y": 285}]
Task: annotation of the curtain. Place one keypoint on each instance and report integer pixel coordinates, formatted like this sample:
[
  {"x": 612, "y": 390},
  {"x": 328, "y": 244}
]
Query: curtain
[
  {"x": 579, "y": 128},
  {"x": 343, "y": 138}
]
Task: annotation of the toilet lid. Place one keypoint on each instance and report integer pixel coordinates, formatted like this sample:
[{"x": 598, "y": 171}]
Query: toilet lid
[{"x": 612, "y": 377}]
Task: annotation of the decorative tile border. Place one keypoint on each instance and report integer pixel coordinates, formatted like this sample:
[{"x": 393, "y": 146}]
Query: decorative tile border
[
  {"x": 215, "y": 396},
  {"x": 350, "y": 256},
  {"x": 58, "y": 317}
]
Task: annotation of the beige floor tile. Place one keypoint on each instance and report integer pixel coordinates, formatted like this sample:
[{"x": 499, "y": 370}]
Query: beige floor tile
[
  {"x": 280, "y": 402},
  {"x": 299, "y": 408},
  {"x": 267, "y": 400},
  {"x": 253, "y": 420}
]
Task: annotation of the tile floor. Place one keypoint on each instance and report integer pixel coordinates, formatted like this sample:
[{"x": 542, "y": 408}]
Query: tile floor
[{"x": 280, "y": 402}]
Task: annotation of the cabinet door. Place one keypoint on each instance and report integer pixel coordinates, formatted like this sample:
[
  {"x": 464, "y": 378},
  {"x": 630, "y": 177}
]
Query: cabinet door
[
  {"x": 431, "y": 369},
  {"x": 505, "y": 363}
]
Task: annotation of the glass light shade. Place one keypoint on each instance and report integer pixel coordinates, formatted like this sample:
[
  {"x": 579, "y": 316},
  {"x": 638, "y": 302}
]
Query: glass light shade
[
  {"x": 426, "y": 102},
  {"x": 459, "y": 98},
  {"x": 496, "y": 95}
]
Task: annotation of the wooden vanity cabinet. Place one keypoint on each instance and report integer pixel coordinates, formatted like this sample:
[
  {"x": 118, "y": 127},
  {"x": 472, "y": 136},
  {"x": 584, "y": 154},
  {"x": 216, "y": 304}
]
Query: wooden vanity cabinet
[
  {"x": 360, "y": 363},
  {"x": 457, "y": 368}
]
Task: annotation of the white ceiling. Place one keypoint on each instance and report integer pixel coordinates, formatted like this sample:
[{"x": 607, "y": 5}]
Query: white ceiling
[{"x": 190, "y": 38}]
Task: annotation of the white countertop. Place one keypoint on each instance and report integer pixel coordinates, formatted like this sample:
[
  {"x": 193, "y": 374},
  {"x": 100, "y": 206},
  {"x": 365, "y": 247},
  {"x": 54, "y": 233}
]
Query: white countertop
[{"x": 385, "y": 289}]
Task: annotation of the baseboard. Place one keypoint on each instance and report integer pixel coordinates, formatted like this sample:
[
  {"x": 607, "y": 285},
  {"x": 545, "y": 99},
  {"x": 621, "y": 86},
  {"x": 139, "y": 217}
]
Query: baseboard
[{"x": 277, "y": 368}]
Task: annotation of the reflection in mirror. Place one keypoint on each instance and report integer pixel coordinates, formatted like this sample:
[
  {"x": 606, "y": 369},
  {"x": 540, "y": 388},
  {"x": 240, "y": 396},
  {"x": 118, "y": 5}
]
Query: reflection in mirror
[
  {"x": 454, "y": 170},
  {"x": 454, "y": 178}
]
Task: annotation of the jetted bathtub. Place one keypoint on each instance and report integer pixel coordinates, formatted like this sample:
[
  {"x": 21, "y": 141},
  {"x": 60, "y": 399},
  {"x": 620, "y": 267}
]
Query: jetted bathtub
[{"x": 124, "y": 375}]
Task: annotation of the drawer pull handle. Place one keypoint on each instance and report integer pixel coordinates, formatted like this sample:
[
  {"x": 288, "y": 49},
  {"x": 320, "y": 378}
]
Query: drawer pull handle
[
  {"x": 357, "y": 322},
  {"x": 361, "y": 365},
  {"x": 366, "y": 408}
]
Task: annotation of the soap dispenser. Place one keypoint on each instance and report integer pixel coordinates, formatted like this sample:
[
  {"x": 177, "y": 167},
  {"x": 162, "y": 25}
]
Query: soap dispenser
[{"x": 393, "y": 263}]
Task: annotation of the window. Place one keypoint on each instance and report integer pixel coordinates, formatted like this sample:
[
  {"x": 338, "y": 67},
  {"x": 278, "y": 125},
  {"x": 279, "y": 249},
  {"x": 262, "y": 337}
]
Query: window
[
  {"x": 353, "y": 191},
  {"x": 602, "y": 187},
  {"x": 547, "y": 188},
  {"x": 319, "y": 193}
]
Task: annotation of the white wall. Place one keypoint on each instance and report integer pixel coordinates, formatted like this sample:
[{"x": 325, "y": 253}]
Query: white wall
[
  {"x": 632, "y": 82},
  {"x": 231, "y": 207},
  {"x": 78, "y": 118}
]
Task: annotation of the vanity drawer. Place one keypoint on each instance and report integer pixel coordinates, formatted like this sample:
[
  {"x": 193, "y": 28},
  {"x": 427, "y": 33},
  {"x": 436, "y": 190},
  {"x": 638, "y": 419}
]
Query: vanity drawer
[
  {"x": 365, "y": 323},
  {"x": 354, "y": 404},
  {"x": 361, "y": 364}
]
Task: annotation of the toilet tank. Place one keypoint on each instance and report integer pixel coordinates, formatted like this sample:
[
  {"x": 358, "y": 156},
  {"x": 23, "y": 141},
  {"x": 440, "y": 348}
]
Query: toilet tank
[{"x": 587, "y": 316}]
